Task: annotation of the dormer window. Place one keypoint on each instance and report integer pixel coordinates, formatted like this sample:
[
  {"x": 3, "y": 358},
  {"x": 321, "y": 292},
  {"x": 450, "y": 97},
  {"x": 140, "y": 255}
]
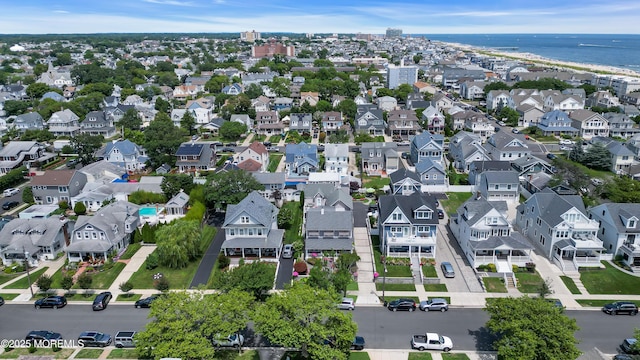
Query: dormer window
[
  {"x": 631, "y": 223},
  {"x": 244, "y": 220},
  {"x": 396, "y": 217},
  {"x": 423, "y": 215}
]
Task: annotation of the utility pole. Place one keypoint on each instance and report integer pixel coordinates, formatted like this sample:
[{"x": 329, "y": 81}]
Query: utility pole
[{"x": 26, "y": 260}]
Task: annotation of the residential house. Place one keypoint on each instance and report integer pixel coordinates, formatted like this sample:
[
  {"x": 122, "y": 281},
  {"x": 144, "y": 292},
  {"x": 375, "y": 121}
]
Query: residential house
[
  {"x": 416, "y": 101},
  {"x": 322, "y": 195},
  {"x": 282, "y": 103},
  {"x": 559, "y": 227},
  {"x": 431, "y": 173},
  {"x": 177, "y": 205},
  {"x": 201, "y": 109},
  {"x": 257, "y": 78},
  {"x": 300, "y": 122},
  {"x": 558, "y": 101},
  {"x": 194, "y": 156},
  {"x": 109, "y": 230},
  {"x": 620, "y": 125},
  {"x": 499, "y": 185},
  {"x": 199, "y": 81},
  {"x": 55, "y": 77},
  {"x": 528, "y": 165},
  {"x": 427, "y": 146},
  {"x": 557, "y": 123},
  {"x": 621, "y": 156},
  {"x": 214, "y": 126},
  {"x": 603, "y": 99},
  {"x": 589, "y": 124},
  {"x": 182, "y": 92},
  {"x": 268, "y": 123},
  {"x": 163, "y": 169},
  {"x": 233, "y": 89},
  {"x": 254, "y": 158},
  {"x": 370, "y": 120},
  {"x": 478, "y": 124},
  {"x": 529, "y": 115},
  {"x": 387, "y": 103},
  {"x": 18, "y": 153},
  {"x": 125, "y": 154},
  {"x": 499, "y": 98},
  {"x": 133, "y": 100},
  {"x": 53, "y": 96},
  {"x": 28, "y": 121},
  {"x": 55, "y": 186},
  {"x": 472, "y": 90},
  {"x": 301, "y": 159},
  {"x": 405, "y": 182},
  {"x": 507, "y": 147},
  {"x": 243, "y": 119},
  {"x": 273, "y": 183},
  {"x": 310, "y": 97},
  {"x": 379, "y": 158},
  {"x": 41, "y": 238},
  {"x": 441, "y": 101},
  {"x": 402, "y": 123},
  {"x": 261, "y": 103},
  {"x": 96, "y": 123},
  {"x": 486, "y": 236},
  {"x": 332, "y": 122},
  {"x": 434, "y": 119},
  {"x": 251, "y": 228},
  {"x": 64, "y": 123},
  {"x": 336, "y": 158},
  {"x": 619, "y": 230},
  {"x": 466, "y": 148},
  {"x": 408, "y": 226},
  {"x": 328, "y": 232},
  {"x": 476, "y": 168}
]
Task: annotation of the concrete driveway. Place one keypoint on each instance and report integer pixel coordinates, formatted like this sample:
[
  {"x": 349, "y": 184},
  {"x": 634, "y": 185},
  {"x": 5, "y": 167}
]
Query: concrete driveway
[{"x": 449, "y": 250}]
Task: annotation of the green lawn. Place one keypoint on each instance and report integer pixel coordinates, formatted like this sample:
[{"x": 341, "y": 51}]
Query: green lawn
[
  {"x": 375, "y": 182},
  {"x": 396, "y": 287},
  {"x": 104, "y": 279},
  {"x": 6, "y": 277},
  {"x": 178, "y": 278},
  {"x": 610, "y": 281},
  {"x": 453, "y": 201},
  {"x": 420, "y": 356},
  {"x": 89, "y": 354},
  {"x": 293, "y": 232},
  {"x": 494, "y": 285},
  {"x": 529, "y": 282},
  {"x": 15, "y": 353},
  {"x": 435, "y": 287},
  {"x": 600, "y": 303},
  {"x": 353, "y": 286},
  {"x": 428, "y": 270},
  {"x": 129, "y": 297},
  {"x": 359, "y": 356},
  {"x": 449, "y": 356},
  {"x": 8, "y": 297},
  {"x": 274, "y": 161},
  {"x": 123, "y": 354},
  {"x": 392, "y": 270},
  {"x": 131, "y": 249},
  {"x": 275, "y": 139},
  {"x": 591, "y": 173},
  {"x": 568, "y": 282},
  {"x": 24, "y": 282},
  {"x": 75, "y": 296}
]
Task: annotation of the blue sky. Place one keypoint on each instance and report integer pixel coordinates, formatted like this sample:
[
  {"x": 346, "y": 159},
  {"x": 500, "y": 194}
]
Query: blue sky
[{"x": 328, "y": 16}]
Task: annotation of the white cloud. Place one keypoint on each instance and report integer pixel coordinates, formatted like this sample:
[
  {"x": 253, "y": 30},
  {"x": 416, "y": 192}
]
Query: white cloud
[
  {"x": 170, "y": 2},
  {"x": 61, "y": 11}
]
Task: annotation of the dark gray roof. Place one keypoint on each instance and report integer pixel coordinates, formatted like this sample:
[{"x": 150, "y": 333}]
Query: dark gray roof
[
  {"x": 328, "y": 218},
  {"x": 266, "y": 178},
  {"x": 273, "y": 240},
  {"x": 514, "y": 241},
  {"x": 407, "y": 204},
  {"x": 552, "y": 205},
  {"x": 329, "y": 244},
  {"x": 332, "y": 194},
  {"x": 615, "y": 213},
  {"x": 476, "y": 209},
  {"x": 401, "y": 174},
  {"x": 500, "y": 177},
  {"x": 481, "y": 166},
  {"x": 29, "y": 233},
  {"x": 257, "y": 206}
]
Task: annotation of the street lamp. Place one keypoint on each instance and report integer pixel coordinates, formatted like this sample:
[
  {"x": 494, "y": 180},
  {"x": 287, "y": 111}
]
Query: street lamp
[
  {"x": 384, "y": 278},
  {"x": 26, "y": 260}
]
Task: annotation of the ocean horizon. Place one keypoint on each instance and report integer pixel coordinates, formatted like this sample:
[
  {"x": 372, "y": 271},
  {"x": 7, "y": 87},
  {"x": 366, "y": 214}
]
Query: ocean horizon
[{"x": 617, "y": 50}]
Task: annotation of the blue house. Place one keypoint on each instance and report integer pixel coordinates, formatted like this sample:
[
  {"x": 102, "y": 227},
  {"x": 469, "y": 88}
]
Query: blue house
[
  {"x": 427, "y": 146},
  {"x": 233, "y": 89},
  {"x": 301, "y": 159},
  {"x": 431, "y": 172},
  {"x": 556, "y": 122},
  {"x": 125, "y": 154}
]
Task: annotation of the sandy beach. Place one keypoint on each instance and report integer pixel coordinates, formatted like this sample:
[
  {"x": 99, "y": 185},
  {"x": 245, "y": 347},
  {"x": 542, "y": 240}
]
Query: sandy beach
[{"x": 537, "y": 59}]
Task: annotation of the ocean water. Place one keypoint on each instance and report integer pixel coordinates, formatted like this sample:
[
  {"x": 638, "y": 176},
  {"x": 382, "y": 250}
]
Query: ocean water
[{"x": 602, "y": 49}]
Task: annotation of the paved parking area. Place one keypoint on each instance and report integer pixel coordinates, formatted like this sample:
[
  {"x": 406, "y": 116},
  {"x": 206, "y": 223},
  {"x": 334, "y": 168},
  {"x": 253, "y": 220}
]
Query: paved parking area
[{"x": 449, "y": 250}]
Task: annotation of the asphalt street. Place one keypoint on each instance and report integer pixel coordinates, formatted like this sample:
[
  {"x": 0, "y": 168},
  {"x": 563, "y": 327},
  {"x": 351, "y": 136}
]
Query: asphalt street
[{"x": 381, "y": 328}]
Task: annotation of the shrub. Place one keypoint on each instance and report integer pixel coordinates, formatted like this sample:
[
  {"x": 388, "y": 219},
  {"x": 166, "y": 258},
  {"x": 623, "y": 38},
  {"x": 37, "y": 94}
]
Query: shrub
[
  {"x": 196, "y": 212},
  {"x": 146, "y": 197},
  {"x": 322, "y": 136},
  {"x": 32, "y": 349},
  {"x": 44, "y": 282},
  {"x": 161, "y": 284},
  {"x": 126, "y": 286},
  {"x": 67, "y": 282},
  {"x": 300, "y": 267},
  {"x": 515, "y": 268},
  {"x": 491, "y": 267},
  {"x": 152, "y": 261},
  {"x": 79, "y": 208},
  {"x": 223, "y": 261},
  {"x": 63, "y": 205},
  {"x": 85, "y": 280},
  {"x": 531, "y": 267}
]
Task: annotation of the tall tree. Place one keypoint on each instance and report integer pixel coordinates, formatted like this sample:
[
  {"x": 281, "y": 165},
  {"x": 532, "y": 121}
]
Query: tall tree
[
  {"x": 255, "y": 278},
  {"x": 531, "y": 329},
  {"x": 232, "y": 130},
  {"x": 130, "y": 120},
  {"x": 597, "y": 157},
  {"x": 229, "y": 188},
  {"x": 188, "y": 123},
  {"x": 179, "y": 243},
  {"x": 161, "y": 140},
  {"x": 36, "y": 90},
  {"x": 85, "y": 146},
  {"x": 173, "y": 183},
  {"x": 304, "y": 318}
]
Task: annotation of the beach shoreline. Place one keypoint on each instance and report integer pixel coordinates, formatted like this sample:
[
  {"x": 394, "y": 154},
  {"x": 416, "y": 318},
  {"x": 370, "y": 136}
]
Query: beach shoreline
[{"x": 547, "y": 62}]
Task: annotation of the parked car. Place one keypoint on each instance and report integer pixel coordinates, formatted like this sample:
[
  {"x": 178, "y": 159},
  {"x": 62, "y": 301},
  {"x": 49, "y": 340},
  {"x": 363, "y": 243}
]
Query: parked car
[
  {"x": 502, "y": 123},
  {"x": 358, "y": 343},
  {"x": 146, "y": 302},
  {"x": 53, "y": 302},
  {"x": 124, "y": 339},
  {"x": 515, "y": 131},
  {"x": 402, "y": 304},
  {"x": 405, "y": 155},
  {"x": 347, "y": 304},
  {"x": 597, "y": 182},
  {"x": 10, "y": 205},
  {"x": 234, "y": 340},
  {"x": 320, "y": 148},
  {"x": 566, "y": 142},
  {"x": 232, "y": 144},
  {"x": 273, "y": 149},
  {"x": 496, "y": 129},
  {"x": 621, "y": 307},
  {"x": 266, "y": 143},
  {"x": 447, "y": 269},
  {"x": 227, "y": 149},
  {"x": 94, "y": 339},
  {"x": 565, "y": 148},
  {"x": 551, "y": 156},
  {"x": 10, "y": 191},
  {"x": 1, "y": 301},
  {"x": 101, "y": 301},
  {"x": 72, "y": 163},
  {"x": 628, "y": 346},
  {"x": 287, "y": 251},
  {"x": 39, "y": 335},
  {"x": 435, "y": 304},
  {"x": 440, "y": 214},
  {"x": 431, "y": 341},
  {"x": 626, "y": 357}
]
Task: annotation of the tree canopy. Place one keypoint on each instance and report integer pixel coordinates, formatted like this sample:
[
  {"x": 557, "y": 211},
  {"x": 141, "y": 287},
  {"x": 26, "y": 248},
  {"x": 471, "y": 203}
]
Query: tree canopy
[
  {"x": 255, "y": 278},
  {"x": 179, "y": 243},
  {"x": 85, "y": 146},
  {"x": 161, "y": 140},
  {"x": 229, "y": 188},
  {"x": 232, "y": 130}
]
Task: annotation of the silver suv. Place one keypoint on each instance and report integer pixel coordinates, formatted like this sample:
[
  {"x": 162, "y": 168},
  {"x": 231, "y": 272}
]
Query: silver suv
[
  {"x": 435, "y": 304},
  {"x": 347, "y": 304}
]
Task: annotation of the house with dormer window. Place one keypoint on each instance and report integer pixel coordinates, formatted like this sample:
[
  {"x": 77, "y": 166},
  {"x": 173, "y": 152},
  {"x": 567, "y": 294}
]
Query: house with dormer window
[
  {"x": 427, "y": 146},
  {"x": 251, "y": 229},
  {"x": 402, "y": 123},
  {"x": 195, "y": 156},
  {"x": 559, "y": 227},
  {"x": 328, "y": 213},
  {"x": 370, "y": 120},
  {"x": 557, "y": 123},
  {"x": 620, "y": 125},
  {"x": 499, "y": 185},
  {"x": 332, "y": 122},
  {"x": 28, "y": 121},
  {"x": 432, "y": 174},
  {"x": 379, "y": 158},
  {"x": 589, "y": 124},
  {"x": 408, "y": 225},
  {"x": 254, "y": 158},
  {"x": 300, "y": 122},
  {"x": 268, "y": 123},
  {"x": 54, "y": 186},
  {"x": 404, "y": 182},
  {"x": 233, "y": 89},
  {"x": 310, "y": 97},
  {"x": 96, "y": 123},
  {"x": 300, "y": 160},
  {"x": 486, "y": 235},
  {"x": 18, "y": 153},
  {"x": 504, "y": 146},
  {"x": 201, "y": 109},
  {"x": 336, "y": 159},
  {"x": 110, "y": 229},
  {"x": 125, "y": 154},
  {"x": 464, "y": 149},
  {"x": 619, "y": 230},
  {"x": 565, "y": 102},
  {"x": 499, "y": 99},
  {"x": 64, "y": 123},
  {"x": 42, "y": 238},
  {"x": 434, "y": 119}
]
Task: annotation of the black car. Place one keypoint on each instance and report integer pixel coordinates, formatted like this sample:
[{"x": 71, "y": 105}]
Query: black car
[
  {"x": 1, "y": 301},
  {"x": 227, "y": 149},
  {"x": 440, "y": 214},
  {"x": 146, "y": 302},
  {"x": 101, "y": 301},
  {"x": 626, "y": 357},
  {"x": 94, "y": 339},
  {"x": 266, "y": 143},
  {"x": 621, "y": 307},
  {"x": 53, "y": 302},
  {"x": 10, "y": 205},
  {"x": 358, "y": 343},
  {"x": 39, "y": 335},
  {"x": 628, "y": 346},
  {"x": 551, "y": 156},
  {"x": 232, "y": 144},
  {"x": 402, "y": 304},
  {"x": 320, "y": 148}
]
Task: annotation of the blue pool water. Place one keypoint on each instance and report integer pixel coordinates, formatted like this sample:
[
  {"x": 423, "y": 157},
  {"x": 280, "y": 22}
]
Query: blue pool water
[{"x": 148, "y": 211}]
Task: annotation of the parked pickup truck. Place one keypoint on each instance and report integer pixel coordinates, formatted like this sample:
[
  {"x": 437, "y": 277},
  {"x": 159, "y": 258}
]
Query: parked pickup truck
[
  {"x": 235, "y": 340},
  {"x": 431, "y": 341}
]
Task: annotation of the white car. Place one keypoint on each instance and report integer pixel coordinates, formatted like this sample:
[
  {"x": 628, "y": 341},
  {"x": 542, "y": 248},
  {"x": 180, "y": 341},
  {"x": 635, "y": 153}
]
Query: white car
[
  {"x": 597, "y": 182},
  {"x": 566, "y": 142},
  {"x": 287, "y": 251},
  {"x": 10, "y": 192},
  {"x": 565, "y": 148},
  {"x": 347, "y": 304}
]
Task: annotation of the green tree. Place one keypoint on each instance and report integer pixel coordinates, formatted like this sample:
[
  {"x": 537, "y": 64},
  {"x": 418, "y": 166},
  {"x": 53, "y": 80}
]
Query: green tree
[
  {"x": 44, "y": 282},
  {"x": 498, "y": 85},
  {"x": 531, "y": 329},
  {"x": 184, "y": 323},
  {"x": 402, "y": 92},
  {"x": 348, "y": 108},
  {"x": 162, "y": 140},
  {"x": 254, "y": 278},
  {"x": 341, "y": 280},
  {"x": 216, "y": 84},
  {"x": 179, "y": 243},
  {"x": 99, "y": 87},
  {"x": 79, "y": 208},
  {"x": 510, "y": 115},
  {"x": 623, "y": 190},
  {"x": 173, "y": 183},
  {"x": 597, "y": 157},
  {"x": 27, "y": 195},
  {"x": 67, "y": 282},
  {"x": 36, "y": 90},
  {"x": 15, "y": 107},
  {"x": 588, "y": 88},
  {"x": 188, "y": 123},
  {"x": 542, "y": 84},
  {"x": 85, "y": 280},
  {"x": 320, "y": 277},
  {"x": 162, "y": 105},
  {"x": 232, "y": 130},
  {"x": 253, "y": 91},
  {"x": 85, "y": 146},
  {"x": 285, "y": 218},
  {"x": 229, "y": 188},
  {"x": 63, "y": 59},
  {"x": 130, "y": 120},
  {"x": 303, "y": 317},
  {"x": 577, "y": 152}
]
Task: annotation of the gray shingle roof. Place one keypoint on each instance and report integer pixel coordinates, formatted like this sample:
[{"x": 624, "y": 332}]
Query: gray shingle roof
[
  {"x": 552, "y": 205},
  {"x": 273, "y": 240},
  {"x": 401, "y": 174},
  {"x": 29, "y": 233},
  {"x": 615, "y": 211},
  {"x": 407, "y": 204},
  {"x": 476, "y": 209},
  {"x": 332, "y": 194},
  {"x": 329, "y": 219},
  {"x": 514, "y": 241},
  {"x": 257, "y": 206},
  {"x": 179, "y": 200}
]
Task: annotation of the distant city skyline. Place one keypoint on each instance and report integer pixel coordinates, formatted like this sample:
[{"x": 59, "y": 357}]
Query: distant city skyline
[{"x": 329, "y": 16}]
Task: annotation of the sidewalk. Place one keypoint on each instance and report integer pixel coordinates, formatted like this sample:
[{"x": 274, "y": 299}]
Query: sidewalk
[
  {"x": 132, "y": 266},
  {"x": 366, "y": 287}
]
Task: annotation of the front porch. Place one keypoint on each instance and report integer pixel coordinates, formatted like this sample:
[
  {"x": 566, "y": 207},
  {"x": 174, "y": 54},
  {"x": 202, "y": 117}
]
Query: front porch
[
  {"x": 512, "y": 257},
  {"x": 423, "y": 246},
  {"x": 630, "y": 254},
  {"x": 252, "y": 252},
  {"x": 570, "y": 256}
]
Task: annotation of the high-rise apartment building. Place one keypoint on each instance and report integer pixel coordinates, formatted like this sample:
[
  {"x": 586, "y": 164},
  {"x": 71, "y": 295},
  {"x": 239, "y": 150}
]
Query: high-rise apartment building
[
  {"x": 272, "y": 48},
  {"x": 393, "y": 33},
  {"x": 398, "y": 75},
  {"x": 250, "y": 36}
]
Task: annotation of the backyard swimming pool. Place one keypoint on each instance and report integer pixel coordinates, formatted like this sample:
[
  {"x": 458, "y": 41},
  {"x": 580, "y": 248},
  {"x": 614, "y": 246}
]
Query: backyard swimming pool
[{"x": 150, "y": 211}]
